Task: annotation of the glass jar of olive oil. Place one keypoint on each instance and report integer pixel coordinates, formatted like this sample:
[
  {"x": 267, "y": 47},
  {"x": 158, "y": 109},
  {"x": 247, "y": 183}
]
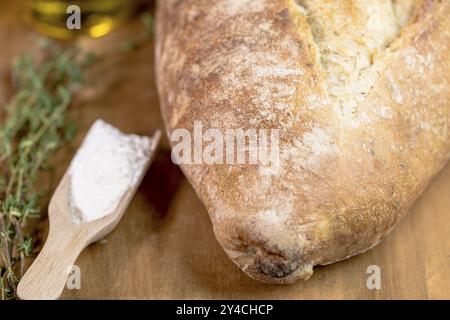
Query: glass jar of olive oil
[{"x": 97, "y": 17}]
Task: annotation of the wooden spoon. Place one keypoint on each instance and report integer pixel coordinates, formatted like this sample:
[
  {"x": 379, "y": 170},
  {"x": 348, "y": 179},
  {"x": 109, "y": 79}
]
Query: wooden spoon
[{"x": 47, "y": 276}]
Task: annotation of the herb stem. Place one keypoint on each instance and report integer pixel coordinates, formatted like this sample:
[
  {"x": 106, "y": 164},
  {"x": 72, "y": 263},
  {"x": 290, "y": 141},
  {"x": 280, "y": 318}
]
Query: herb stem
[{"x": 33, "y": 129}]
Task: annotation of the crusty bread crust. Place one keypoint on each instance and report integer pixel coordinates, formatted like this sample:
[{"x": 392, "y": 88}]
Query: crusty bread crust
[{"x": 363, "y": 110}]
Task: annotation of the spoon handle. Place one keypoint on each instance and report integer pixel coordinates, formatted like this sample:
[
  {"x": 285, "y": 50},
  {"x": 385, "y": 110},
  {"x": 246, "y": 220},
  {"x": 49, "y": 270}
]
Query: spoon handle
[{"x": 47, "y": 276}]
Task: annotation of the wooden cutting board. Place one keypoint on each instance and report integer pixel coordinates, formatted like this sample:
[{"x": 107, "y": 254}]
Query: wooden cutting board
[{"x": 164, "y": 247}]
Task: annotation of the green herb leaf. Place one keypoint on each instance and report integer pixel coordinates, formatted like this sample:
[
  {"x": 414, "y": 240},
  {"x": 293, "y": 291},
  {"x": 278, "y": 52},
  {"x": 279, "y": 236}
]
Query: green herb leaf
[{"x": 35, "y": 126}]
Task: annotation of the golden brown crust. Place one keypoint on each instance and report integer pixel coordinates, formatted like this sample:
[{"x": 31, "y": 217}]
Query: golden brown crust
[{"x": 364, "y": 120}]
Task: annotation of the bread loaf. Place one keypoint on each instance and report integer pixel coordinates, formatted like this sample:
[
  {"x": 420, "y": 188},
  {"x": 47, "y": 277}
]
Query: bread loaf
[{"x": 359, "y": 90}]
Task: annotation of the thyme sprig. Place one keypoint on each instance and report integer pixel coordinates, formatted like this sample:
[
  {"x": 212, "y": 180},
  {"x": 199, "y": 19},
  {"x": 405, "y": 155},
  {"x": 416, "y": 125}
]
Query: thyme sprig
[{"x": 35, "y": 126}]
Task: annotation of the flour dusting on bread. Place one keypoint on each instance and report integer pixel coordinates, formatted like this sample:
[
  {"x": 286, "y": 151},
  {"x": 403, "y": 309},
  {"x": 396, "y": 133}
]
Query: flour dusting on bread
[{"x": 359, "y": 90}]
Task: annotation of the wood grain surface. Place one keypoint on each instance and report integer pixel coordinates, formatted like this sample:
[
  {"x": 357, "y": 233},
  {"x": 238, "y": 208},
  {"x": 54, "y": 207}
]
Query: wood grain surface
[{"x": 164, "y": 247}]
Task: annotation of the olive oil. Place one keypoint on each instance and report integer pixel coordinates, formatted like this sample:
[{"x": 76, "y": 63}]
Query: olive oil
[{"x": 97, "y": 17}]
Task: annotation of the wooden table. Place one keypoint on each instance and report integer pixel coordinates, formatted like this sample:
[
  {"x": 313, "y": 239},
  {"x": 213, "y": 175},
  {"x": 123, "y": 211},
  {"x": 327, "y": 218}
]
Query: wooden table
[{"x": 164, "y": 247}]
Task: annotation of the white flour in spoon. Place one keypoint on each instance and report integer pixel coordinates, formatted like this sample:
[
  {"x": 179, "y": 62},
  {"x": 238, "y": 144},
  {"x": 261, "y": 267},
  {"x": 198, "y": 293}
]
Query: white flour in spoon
[{"x": 107, "y": 165}]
